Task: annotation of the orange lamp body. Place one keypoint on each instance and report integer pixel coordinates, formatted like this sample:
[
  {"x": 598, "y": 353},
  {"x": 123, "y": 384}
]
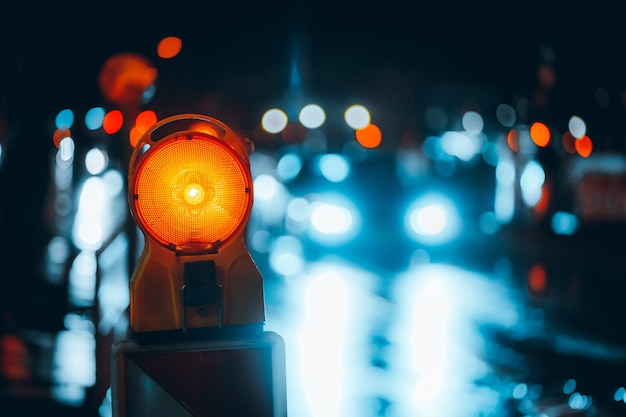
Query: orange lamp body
[{"x": 190, "y": 192}]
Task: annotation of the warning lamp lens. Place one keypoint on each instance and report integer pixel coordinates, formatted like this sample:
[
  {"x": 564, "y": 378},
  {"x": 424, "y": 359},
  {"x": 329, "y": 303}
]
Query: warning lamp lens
[{"x": 192, "y": 192}]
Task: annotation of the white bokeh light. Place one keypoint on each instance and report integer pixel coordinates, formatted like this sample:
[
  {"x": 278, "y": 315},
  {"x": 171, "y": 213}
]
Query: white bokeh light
[
  {"x": 333, "y": 219},
  {"x": 472, "y": 122},
  {"x": 274, "y": 120},
  {"x": 334, "y": 167},
  {"x": 357, "y": 116},
  {"x": 577, "y": 127},
  {"x": 531, "y": 183},
  {"x": 96, "y": 161},
  {"x": 312, "y": 116},
  {"x": 432, "y": 218}
]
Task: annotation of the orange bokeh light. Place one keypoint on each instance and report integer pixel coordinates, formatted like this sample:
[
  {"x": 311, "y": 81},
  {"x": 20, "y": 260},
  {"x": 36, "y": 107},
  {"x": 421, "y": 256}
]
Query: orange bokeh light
[
  {"x": 512, "y": 139},
  {"x": 169, "y": 47},
  {"x": 584, "y": 146},
  {"x": 145, "y": 120},
  {"x": 59, "y": 135},
  {"x": 540, "y": 134},
  {"x": 369, "y": 136},
  {"x": 134, "y": 135},
  {"x": 112, "y": 122}
]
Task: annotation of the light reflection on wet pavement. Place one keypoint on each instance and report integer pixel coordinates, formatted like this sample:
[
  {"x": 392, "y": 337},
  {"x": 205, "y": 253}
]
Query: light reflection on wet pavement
[{"x": 435, "y": 340}]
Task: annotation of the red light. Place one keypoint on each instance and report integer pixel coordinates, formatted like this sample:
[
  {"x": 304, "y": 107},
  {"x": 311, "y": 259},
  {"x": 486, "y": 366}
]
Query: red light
[
  {"x": 112, "y": 122},
  {"x": 169, "y": 47},
  {"x": 584, "y": 146},
  {"x": 369, "y": 136},
  {"x": 59, "y": 135}
]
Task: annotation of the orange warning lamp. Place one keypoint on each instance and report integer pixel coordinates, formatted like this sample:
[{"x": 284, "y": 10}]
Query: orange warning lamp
[{"x": 190, "y": 192}]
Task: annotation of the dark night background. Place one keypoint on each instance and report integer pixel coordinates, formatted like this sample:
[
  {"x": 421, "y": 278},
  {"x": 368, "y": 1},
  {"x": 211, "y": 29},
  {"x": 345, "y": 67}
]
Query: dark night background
[{"x": 400, "y": 58}]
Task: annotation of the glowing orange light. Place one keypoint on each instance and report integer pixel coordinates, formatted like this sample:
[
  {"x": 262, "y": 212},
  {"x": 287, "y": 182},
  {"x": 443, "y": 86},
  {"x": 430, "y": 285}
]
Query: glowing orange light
[
  {"x": 112, "y": 122},
  {"x": 369, "y": 136},
  {"x": 243, "y": 146},
  {"x": 584, "y": 146},
  {"x": 192, "y": 192},
  {"x": 134, "y": 135},
  {"x": 59, "y": 135},
  {"x": 537, "y": 278},
  {"x": 145, "y": 120},
  {"x": 540, "y": 134},
  {"x": 512, "y": 139},
  {"x": 169, "y": 47}
]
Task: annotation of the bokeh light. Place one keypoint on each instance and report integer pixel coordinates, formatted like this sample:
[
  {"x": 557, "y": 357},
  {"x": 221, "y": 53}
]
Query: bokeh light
[
  {"x": 505, "y": 114},
  {"x": 357, "y": 116},
  {"x": 274, "y": 120},
  {"x": 584, "y": 146},
  {"x": 334, "y": 167},
  {"x": 96, "y": 161},
  {"x": 169, "y": 47},
  {"x": 312, "y": 116},
  {"x": 145, "y": 120},
  {"x": 59, "y": 135},
  {"x": 512, "y": 139},
  {"x": 432, "y": 219},
  {"x": 564, "y": 223},
  {"x": 472, "y": 122},
  {"x": 289, "y": 166},
  {"x": 577, "y": 127},
  {"x": 333, "y": 219},
  {"x": 113, "y": 122},
  {"x": 540, "y": 134},
  {"x": 537, "y": 278},
  {"x": 64, "y": 119},
  {"x": 66, "y": 149},
  {"x": 531, "y": 183},
  {"x": 125, "y": 77},
  {"x": 94, "y": 118},
  {"x": 369, "y": 136},
  {"x": 461, "y": 145}
]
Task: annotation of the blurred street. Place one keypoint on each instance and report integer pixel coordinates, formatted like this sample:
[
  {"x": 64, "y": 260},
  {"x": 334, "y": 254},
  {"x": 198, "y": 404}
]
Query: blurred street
[{"x": 439, "y": 199}]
